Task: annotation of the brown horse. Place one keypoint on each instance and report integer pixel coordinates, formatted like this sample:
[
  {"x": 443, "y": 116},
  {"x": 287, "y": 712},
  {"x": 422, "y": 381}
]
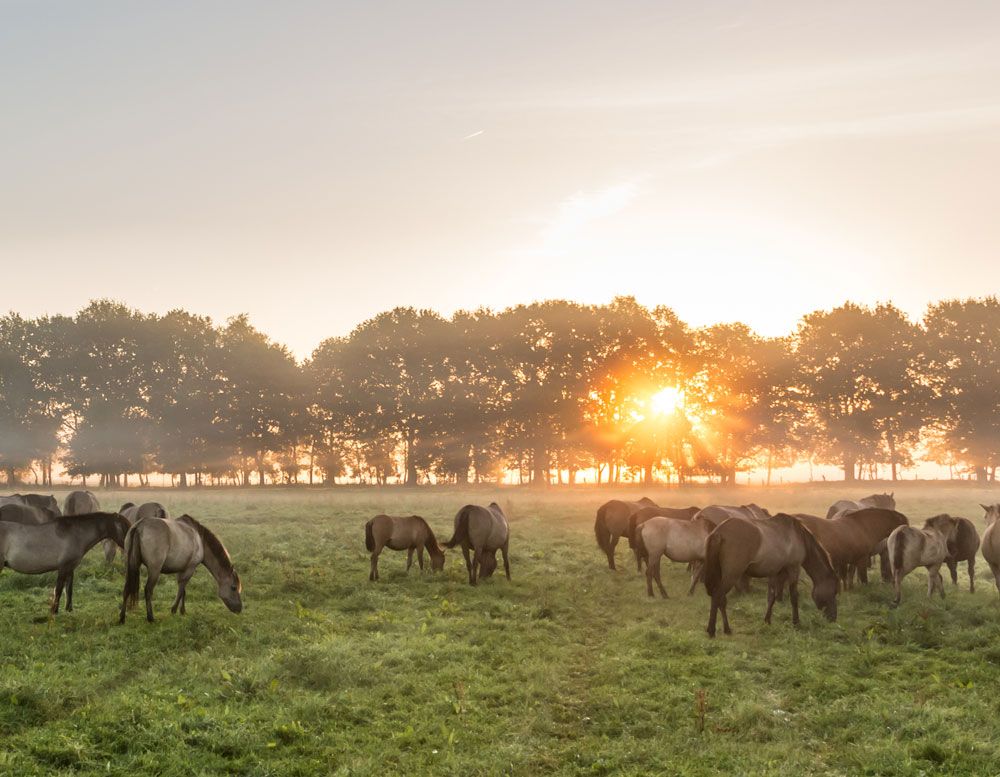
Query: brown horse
[
  {"x": 16, "y": 512},
  {"x": 176, "y": 547},
  {"x": 611, "y": 524},
  {"x": 410, "y": 534},
  {"x": 910, "y": 547},
  {"x": 963, "y": 547},
  {"x": 641, "y": 516},
  {"x": 851, "y": 537},
  {"x": 886, "y": 501},
  {"x": 679, "y": 539},
  {"x": 484, "y": 531},
  {"x": 83, "y": 502},
  {"x": 41, "y": 501},
  {"x": 991, "y": 541},
  {"x": 57, "y": 546},
  {"x": 775, "y": 548}
]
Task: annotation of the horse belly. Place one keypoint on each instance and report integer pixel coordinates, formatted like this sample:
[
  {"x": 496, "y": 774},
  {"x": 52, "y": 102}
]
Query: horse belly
[
  {"x": 32, "y": 558},
  {"x": 396, "y": 543}
]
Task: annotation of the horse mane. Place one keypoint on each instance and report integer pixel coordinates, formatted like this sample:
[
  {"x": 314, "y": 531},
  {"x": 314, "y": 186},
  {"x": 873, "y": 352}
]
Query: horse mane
[
  {"x": 210, "y": 541},
  {"x": 814, "y": 547},
  {"x": 432, "y": 543}
]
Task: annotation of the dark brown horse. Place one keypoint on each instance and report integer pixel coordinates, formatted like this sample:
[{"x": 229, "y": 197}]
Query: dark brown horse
[
  {"x": 41, "y": 501},
  {"x": 484, "y": 531},
  {"x": 851, "y": 537},
  {"x": 963, "y": 547},
  {"x": 410, "y": 534},
  {"x": 775, "y": 548},
  {"x": 57, "y": 546},
  {"x": 14, "y": 512},
  {"x": 611, "y": 524}
]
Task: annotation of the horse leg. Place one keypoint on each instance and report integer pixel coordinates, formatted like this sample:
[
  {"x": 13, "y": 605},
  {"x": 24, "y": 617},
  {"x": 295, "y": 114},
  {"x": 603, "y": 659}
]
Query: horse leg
[
  {"x": 373, "y": 575},
  {"x": 656, "y": 574},
  {"x": 477, "y": 564},
  {"x": 58, "y": 591},
  {"x": 652, "y": 562},
  {"x": 897, "y": 587},
  {"x": 939, "y": 580},
  {"x": 725, "y": 616},
  {"x": 793, "y": 597},
  {"x": 696, "y": 570},
  {"x": 711, "y": 616},
  {"x": 953, "y": 568},
  {"x": 972, "y": 575},
  {"x": 182, "y": 581},
  {"x": 110, "y": 549},
  {"x": 409, "y": 558},
  {"x": 468, "y": 560},
  {"x": 69, "y": 592},
  {"x": 151, "y": 577},
  {"x": 772, "y": 586},
  {"x": 611, "y": 551},
  {"x": 420, "y": 557},
  {"x": 994, "y": 568},
  {"x": 863, "y": 571},
  {"x": 506, "y": 561}
]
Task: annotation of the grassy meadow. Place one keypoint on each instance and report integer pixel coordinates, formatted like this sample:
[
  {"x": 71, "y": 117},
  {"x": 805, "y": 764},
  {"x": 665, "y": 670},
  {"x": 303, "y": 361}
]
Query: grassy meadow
[{"x": 568, "y": 669}]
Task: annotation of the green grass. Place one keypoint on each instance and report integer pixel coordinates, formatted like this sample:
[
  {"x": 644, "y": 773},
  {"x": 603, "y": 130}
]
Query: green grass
[{"x": 569, "y": 669}]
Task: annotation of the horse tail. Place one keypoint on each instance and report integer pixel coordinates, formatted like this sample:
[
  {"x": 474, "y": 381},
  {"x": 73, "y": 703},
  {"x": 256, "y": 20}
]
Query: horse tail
[
  {"x": 896, "y": 554},
  {"x": 635, "y": 538},
  {"x": 369, "y": 536},
  {"x": 601, "y": 530},
  {"x": 713, "y": 562},
  {"x": 133, "y": 559},
  {"x": 461, "y": 534}
]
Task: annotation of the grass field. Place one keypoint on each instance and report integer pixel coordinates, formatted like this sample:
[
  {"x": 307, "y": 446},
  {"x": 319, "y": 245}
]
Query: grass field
[{"x": 568, "y": 669}]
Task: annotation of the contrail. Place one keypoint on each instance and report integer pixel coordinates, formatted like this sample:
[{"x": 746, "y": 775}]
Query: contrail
[{"x": 474, "y": 134}]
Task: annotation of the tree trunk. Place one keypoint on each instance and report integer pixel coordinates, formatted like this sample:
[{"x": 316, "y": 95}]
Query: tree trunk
[
  {"x": 981, "y": 475},
  {"x": 539, "y": 466},
  {"x": 850, "y": 461},
  {"x": 770, "y": 464},
  {"x": 647, "y": 474}
]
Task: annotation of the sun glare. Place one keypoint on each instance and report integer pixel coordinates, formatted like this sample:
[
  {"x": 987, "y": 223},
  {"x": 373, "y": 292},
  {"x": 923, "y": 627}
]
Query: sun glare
[{"x": 665, "y": 401}]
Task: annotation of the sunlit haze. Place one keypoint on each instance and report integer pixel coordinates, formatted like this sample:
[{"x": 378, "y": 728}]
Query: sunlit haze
[{"x": 313, "y": 164}]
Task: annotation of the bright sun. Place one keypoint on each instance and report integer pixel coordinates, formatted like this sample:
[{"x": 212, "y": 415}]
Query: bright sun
[{"x": 665, "y": 401}]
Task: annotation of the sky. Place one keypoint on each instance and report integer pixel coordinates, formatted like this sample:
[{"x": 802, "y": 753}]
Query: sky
[{"x": 315, "y": 163}]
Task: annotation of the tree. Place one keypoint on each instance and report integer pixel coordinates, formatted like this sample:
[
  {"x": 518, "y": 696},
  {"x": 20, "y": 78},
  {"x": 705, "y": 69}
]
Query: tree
[
  {"x": 860, "y": 383},
  {"x": 963, "y": 370}
]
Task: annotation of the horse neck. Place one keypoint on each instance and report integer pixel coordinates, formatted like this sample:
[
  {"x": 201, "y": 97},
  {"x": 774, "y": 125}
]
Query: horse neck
[
  {"x": 814, "y": 563},
  {"x": 93, "y": 531},
  {"x": 216, "y": 566}
]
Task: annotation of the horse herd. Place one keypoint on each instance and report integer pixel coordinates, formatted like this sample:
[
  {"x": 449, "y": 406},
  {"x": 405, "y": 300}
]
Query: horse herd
[
  {"x": 725, "y": 546},
  {"x": 36, "y": 536}
]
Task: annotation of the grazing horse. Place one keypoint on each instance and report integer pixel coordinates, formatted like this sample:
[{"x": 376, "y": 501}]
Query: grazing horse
[
  {"x": 16, "y": 512},
  {"x": 776, "y": 548},
  {"x": 886, "y": 501},
  {"x": 991, "y": 541},
  {"x": 57, "y": 546},
  {"x": 83, "y": 502},
  {"x": 679, "y": 539},
  {"x": 852, "y": 537},
  {"x": 176, "y": 547},
  {"x": 720, "y": 513},
  {"x": 640, "y": 517},
  {"x": 611, "y": 524},
  {"x": 41, "y": 501},
  {"x": 410, "y": 534},
  {"x": 963, "y": 547},
  {"x": 910, "y": 548},
  {"x": 483, "y": 530}
]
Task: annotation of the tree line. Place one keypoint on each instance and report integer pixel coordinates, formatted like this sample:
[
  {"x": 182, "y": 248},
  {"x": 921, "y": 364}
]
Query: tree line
[{"x": 544, "y": 390}]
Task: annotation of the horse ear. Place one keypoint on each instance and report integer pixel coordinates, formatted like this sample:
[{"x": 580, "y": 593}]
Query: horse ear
[{"x": 984, "y": 507}]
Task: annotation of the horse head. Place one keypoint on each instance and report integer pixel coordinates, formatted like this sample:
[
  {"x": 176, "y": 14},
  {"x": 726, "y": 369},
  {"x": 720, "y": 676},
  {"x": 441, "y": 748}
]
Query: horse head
[
  {"x": 992, "y": 512},
  {"x": 231, "y": 590}
]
